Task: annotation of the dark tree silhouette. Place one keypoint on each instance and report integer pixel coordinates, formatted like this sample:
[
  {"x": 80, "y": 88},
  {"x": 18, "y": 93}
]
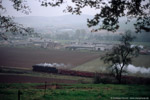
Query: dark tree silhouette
[
  {"x": 7, "y": 23},
  {"x": 107, "y": 19},
  {"x": 121, "y": 55},
  {"x": 110, "y": 11}
]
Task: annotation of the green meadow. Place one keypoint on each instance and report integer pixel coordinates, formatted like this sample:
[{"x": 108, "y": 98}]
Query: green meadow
[{"x": 36, "y": 91}]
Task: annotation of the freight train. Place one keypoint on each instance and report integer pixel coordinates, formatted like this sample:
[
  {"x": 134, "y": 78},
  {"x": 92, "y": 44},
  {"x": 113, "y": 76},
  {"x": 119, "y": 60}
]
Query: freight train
[{"x": 52, "y": 69}]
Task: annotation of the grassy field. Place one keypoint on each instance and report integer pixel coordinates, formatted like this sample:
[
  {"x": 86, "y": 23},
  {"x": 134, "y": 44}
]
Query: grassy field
[
  {"x": 142, "y": 61},
  {"x": 73, "y": 92},
  {"x": 97, "y": 65}
]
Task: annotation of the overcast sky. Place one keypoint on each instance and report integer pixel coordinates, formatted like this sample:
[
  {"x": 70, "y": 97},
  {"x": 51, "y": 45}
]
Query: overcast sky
[{"x": 38, "y": 10}]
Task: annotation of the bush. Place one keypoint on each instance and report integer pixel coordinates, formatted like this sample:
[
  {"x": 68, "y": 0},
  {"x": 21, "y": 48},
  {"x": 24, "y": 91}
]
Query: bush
[
  {"x": 104, "y": 79},
  {"x": 97, "y": 79}
]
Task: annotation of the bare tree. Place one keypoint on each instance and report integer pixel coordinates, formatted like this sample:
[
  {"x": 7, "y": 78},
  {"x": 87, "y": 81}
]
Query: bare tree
[
  {"x": 110, "y": 11},
  {"x": 121, "y": 55}
]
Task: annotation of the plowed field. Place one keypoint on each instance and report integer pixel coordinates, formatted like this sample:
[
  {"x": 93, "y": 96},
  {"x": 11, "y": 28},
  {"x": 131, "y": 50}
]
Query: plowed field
[
  {"x": 26, "y": 57},
  {"x": 30, "y": 79}
]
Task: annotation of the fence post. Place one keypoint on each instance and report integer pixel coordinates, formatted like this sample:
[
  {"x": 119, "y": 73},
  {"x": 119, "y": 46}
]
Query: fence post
[
  {"x": 19, "y": 94},
  {"x": 45, "y": 88}
]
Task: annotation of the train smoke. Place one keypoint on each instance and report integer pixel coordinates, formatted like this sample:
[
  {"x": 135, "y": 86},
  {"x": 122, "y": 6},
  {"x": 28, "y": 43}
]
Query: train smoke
[
  {"x": 52, "y": 65},
  {"x": 133, "y": 69}
]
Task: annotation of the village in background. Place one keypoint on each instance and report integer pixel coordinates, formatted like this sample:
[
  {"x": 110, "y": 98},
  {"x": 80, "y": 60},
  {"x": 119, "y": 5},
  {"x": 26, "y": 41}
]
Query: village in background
[{"x": 70, "y": 32}]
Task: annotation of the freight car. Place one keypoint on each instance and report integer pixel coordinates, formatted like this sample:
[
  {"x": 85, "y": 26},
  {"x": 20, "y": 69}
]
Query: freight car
[{"x": 75, "y": 73}]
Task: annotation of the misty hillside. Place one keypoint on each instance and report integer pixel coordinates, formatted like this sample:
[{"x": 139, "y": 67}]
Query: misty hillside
[
  {"x": 35, "y": 21},
  {"x": 79, "y": 21}
]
